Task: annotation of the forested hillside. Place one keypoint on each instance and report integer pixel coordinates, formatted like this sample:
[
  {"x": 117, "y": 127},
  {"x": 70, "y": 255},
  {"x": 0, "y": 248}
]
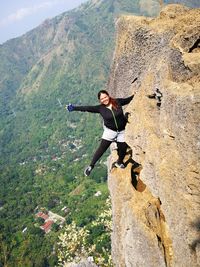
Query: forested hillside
[{"x": 44, "y": 149}]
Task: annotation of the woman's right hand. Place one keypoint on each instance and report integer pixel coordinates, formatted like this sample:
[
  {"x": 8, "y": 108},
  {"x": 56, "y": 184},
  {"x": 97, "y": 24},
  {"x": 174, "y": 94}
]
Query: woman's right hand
[{"x": 70, "y": 107}]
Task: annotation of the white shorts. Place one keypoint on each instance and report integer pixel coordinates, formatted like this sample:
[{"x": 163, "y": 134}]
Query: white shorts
[{"x": 111, "y": 135}]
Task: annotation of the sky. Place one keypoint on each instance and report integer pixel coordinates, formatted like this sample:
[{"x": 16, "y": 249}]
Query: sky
[{"x": 20, "y": 16}]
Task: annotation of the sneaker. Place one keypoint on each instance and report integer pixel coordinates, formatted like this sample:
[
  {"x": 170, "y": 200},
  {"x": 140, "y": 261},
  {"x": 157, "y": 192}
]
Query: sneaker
[
  {"x": 119, "y": 165},
  {"x": 137, "y": 168},
  {"x": 88, "y": 170}
]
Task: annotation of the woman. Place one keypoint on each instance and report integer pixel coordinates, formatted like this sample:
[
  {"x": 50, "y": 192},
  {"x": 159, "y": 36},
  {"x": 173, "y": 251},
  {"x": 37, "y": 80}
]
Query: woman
[{"x": 114, "y": 126}]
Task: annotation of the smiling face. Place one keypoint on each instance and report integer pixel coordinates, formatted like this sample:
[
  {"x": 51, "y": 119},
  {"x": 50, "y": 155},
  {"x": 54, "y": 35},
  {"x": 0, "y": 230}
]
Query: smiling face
[{"x": 104, "y": 99}]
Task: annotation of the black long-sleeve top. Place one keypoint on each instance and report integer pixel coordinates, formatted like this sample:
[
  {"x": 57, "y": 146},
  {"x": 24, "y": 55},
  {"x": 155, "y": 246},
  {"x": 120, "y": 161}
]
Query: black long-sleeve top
[{"x": 114, "y": 119}]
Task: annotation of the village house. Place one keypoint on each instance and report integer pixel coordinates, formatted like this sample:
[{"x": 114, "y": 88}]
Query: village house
[
  {"x": 49, "y": 220},
  {"x": 47, "y": 226}
]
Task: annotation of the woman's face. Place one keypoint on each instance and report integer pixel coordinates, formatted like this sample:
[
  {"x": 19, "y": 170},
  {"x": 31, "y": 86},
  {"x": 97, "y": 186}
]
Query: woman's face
[{"x": 104, "y": 99}]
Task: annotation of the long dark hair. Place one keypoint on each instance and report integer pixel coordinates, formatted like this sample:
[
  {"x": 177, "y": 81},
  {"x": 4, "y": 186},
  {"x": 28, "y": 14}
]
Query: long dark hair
[{"x": 113, "y": 102}]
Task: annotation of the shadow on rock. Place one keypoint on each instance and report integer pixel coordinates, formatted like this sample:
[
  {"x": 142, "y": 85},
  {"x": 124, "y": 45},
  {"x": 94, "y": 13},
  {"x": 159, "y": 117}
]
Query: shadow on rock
[
  {"x": 135, "y": 175},
  {"x": 196, "y": 243}
]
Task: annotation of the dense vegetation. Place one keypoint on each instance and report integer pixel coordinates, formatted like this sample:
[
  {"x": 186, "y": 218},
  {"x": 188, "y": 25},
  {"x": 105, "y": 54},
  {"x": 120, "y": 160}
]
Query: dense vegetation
[{"x": 44, "y": 149}]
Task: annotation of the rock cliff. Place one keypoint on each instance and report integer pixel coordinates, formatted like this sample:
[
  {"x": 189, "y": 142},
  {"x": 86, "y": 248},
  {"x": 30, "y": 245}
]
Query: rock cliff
[{"x": 156, "y": 209}]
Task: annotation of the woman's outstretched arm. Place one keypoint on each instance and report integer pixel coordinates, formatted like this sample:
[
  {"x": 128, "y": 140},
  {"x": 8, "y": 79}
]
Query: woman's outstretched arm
[
  {"x": 92, "y": 109},
  {"x": 125, "y": 101}
]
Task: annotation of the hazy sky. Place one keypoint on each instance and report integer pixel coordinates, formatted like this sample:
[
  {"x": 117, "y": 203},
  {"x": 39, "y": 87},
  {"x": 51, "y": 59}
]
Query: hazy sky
[{"x": 19, "y": 16}]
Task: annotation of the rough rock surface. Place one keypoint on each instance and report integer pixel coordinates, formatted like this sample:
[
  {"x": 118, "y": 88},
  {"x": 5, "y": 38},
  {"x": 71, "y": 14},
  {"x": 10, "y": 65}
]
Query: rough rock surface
[
  {"x": 156, "y": 211},
  {"x": 83, "y": 263}
]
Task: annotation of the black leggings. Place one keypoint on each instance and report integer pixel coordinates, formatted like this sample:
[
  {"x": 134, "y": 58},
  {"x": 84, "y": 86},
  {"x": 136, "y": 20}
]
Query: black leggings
[{"x": 104, "y": 145}]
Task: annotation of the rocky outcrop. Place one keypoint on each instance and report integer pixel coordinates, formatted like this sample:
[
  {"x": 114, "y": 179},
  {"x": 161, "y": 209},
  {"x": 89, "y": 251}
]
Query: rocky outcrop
[
  {"x": 83, "y": 263},
  {"x": 156, "y": 210}
]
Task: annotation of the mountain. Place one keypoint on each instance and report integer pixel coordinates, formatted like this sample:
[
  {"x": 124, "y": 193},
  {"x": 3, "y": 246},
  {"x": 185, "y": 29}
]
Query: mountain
[
  {"x": 193, "y": 3},
  {"x": 70, "y": 53},
  {"x": 43, "y": 148}
]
